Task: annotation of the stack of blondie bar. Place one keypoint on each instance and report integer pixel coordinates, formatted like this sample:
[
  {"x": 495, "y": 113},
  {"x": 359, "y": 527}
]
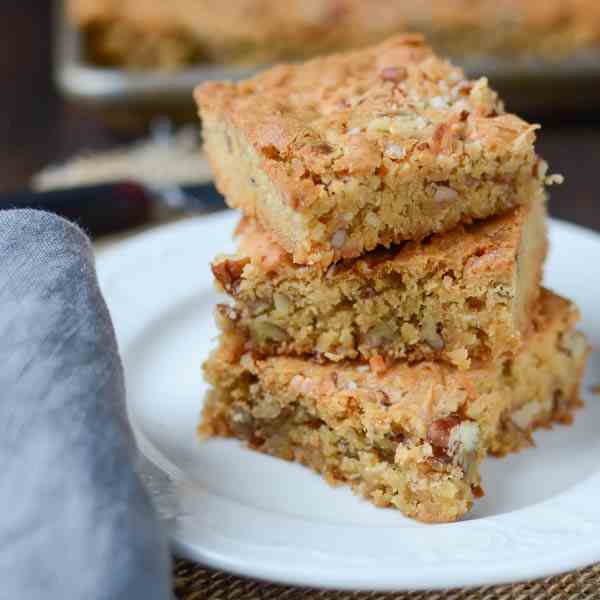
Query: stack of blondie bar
[{"x": 388, "y": 327}]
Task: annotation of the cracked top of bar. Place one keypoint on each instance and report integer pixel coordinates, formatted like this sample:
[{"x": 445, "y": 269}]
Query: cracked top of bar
[{"x": 343, "y": 153}]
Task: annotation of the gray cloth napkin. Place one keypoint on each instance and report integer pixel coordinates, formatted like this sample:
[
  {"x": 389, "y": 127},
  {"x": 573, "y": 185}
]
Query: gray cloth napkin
[{"x": 75, "y": 520}]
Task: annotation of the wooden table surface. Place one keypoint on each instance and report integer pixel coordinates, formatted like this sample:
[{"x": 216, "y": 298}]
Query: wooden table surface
[{"x": 37, "y": 127}]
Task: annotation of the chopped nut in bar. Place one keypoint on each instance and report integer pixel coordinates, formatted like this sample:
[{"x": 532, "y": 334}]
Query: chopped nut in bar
[
  {"x": 463, "y": 296},
  {"x": 411, "y": 437}
]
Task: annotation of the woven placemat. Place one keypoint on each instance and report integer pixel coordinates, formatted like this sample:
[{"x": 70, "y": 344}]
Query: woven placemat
[{"x": 197, "y": 583}]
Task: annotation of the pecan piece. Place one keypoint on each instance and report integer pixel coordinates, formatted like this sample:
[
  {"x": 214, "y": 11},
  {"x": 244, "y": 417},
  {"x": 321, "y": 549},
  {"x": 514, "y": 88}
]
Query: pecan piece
[
  {"x": 453, "y": 438},
  {"x": 383, "y": 398},
  {"x": 227, "y": 317},
  {"x": 228, "y": 273},
  {"x": 440, "y": 430},
  {"x": 478, "y": 491},
  {"x": 395, "y": 74},
  {"x": 323, "y": 148},
  {"x": 228, "y": 312}
]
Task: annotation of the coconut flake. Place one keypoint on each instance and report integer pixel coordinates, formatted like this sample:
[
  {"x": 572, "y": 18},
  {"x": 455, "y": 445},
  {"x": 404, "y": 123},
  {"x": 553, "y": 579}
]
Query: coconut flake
[
  {"x": 445, "y": 194},
  {"x": 395, "y": 151},
  {"x": 338, "y": 239}
]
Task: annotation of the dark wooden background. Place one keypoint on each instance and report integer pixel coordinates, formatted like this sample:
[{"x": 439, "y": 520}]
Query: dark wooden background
[{"x": 37, "y": 127}]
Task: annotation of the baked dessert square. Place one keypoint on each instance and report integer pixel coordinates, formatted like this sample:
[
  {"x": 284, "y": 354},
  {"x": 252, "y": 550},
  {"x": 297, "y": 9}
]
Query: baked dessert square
[
  {"x": 464, "y": 296},
  {"x": 411, "y": 437},
  {"x": 344, "y": 153},
  {"x": 172, "y": 34}
]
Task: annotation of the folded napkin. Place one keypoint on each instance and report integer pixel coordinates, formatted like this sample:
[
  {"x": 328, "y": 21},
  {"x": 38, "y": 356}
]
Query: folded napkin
[{"x": 75, "y": 520}]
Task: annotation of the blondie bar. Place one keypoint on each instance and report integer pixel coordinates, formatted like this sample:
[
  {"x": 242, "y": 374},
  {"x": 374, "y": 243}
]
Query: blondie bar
[
  {"x": 344, "y": 153},
  {"x": 173, "y": 34},
  {"x": 411, "y": 437},
  {"x": 458, "y": 296},
  {"x": 177, "y": 33}
]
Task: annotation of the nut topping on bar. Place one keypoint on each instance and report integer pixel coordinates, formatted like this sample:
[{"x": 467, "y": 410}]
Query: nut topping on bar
[
  {"x": 367, "y": 148},
  {"x": 411, "y": 437}
]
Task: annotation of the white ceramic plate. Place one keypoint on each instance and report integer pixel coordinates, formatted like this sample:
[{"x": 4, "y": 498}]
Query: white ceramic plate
[{"x": 254, "y": 515}]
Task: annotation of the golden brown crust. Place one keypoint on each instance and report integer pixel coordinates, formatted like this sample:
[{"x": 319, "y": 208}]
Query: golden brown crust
[{"x": 336, "y": 156}]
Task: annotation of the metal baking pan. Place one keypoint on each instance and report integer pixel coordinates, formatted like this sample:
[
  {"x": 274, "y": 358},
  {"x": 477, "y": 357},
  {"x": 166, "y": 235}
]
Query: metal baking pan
[
  {"x": 529, "y": 85},
  {"x": 127, "y": 98}
]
